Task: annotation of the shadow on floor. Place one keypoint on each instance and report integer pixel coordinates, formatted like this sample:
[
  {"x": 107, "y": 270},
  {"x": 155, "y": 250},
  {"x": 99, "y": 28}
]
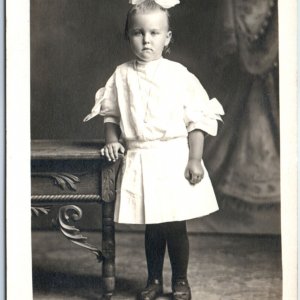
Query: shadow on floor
[
  {"x": 79, "y": 286},
  {"x": 221, "y": 268}
]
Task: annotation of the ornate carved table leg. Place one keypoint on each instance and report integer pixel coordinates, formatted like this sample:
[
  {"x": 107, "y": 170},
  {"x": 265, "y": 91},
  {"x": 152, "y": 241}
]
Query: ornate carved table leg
[
  {"x": 108, "y": 249},
  {"x": 109, "y": 177}
]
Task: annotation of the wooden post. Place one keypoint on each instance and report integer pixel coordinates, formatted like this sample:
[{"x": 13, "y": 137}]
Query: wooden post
[
  {"x": 108, "y": 249},
  {"x": 108, "y": 184}
]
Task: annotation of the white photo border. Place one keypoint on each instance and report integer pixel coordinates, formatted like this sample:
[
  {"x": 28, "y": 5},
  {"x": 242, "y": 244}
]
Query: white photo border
[{"x": 18, "y": 212}]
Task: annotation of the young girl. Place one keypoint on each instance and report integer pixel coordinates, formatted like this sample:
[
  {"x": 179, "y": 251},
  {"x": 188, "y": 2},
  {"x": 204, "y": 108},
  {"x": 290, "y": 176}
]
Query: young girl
[{"x": 162, "y": 113}]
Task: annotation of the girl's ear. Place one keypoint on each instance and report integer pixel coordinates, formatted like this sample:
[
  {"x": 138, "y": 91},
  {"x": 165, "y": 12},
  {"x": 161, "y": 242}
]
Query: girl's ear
[{"x": 168, "y": 39}]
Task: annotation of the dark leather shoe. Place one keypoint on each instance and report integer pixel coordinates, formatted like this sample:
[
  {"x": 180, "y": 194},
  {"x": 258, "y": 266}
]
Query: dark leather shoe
[
  {"x": 153, "y": 289},
  {"x": 181, "y": 290}
]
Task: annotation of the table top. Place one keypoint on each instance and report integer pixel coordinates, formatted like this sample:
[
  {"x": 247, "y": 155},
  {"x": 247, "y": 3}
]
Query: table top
[{"x": 66, "y": 149}]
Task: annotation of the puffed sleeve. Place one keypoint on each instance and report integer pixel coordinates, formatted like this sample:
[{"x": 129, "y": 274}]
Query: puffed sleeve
[
  {"x": 199, "y": 111},
  {"x": 106, "y": 103}
]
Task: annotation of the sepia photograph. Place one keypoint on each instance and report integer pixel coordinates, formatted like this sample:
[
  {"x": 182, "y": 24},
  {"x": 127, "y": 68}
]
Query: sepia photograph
[{"x": 159, "y": 154}]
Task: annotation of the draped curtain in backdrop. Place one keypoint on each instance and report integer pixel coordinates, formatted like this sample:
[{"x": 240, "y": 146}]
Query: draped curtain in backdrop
[{"x": 246, "y": 60}]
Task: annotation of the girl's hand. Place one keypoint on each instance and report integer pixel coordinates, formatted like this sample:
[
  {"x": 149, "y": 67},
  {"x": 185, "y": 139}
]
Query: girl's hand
[
  {"x": 111, "y": 151},
  {"x": 194, "y": 171}
]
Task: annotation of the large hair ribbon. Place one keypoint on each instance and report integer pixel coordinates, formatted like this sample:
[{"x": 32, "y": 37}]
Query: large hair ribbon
[{"x": 163, "y": 3}]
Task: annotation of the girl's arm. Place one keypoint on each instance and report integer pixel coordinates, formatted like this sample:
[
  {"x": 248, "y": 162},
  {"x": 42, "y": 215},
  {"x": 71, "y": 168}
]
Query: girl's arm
[
  {"x": 112, "y": 146},
  {"x": 194, "y": 171}
]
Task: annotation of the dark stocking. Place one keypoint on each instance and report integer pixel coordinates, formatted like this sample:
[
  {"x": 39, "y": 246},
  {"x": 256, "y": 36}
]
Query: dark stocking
[
  {"x": 178, "y": 248},
  {"x": 155, "y": 245}
]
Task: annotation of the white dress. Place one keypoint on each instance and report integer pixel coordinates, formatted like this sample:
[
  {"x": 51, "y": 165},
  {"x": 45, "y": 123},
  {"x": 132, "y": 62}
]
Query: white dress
[{"x": 156, "y": 104}]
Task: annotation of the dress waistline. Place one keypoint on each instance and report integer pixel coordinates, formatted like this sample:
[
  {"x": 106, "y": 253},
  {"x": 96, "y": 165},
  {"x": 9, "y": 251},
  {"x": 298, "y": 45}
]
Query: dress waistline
[{"x": 131, "y": 145}]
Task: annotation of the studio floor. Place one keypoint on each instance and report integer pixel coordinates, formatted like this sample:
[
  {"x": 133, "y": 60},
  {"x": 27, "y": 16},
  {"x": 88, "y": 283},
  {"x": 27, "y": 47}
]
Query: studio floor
[{"x": 222, "y": 267}]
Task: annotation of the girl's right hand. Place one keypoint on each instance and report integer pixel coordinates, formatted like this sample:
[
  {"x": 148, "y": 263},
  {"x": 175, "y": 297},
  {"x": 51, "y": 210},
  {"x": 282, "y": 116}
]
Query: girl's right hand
[{"x": 111, "y": 151}]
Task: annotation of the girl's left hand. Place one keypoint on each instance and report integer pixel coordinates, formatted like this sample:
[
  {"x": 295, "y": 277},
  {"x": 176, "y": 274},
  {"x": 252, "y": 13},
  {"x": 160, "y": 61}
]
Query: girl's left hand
[{"x": 194, "y": 171}]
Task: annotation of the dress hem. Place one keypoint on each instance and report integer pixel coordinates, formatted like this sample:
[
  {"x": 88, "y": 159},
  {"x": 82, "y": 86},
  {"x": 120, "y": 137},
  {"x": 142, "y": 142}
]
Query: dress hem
[{"x": 169, "y": 220}]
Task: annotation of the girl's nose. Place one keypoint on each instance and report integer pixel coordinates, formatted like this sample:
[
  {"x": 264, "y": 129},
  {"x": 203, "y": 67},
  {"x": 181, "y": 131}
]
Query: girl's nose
[{"x": 146, "y": 38}]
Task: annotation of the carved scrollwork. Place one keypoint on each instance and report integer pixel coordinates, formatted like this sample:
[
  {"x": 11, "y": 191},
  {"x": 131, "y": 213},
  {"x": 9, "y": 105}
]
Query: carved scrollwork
[
  {"x": 70, "y": 213},
  {"x": 63, "y": 180},
  {"x": 109, "y": 177},
  {"x": 39, "y": 210},
  {"x": 108, "y": 184}
]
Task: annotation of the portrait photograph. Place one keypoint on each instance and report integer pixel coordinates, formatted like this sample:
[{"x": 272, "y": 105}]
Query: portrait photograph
[{"x": 151, "y": 149}]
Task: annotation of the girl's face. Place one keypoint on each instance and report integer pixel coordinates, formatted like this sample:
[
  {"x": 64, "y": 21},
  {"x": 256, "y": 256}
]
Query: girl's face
[{"x": 149, "y": 34}]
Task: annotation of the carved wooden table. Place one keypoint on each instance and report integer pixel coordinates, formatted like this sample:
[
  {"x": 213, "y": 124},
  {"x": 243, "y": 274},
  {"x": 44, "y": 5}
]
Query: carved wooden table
[{"x": 69, "y": 173}]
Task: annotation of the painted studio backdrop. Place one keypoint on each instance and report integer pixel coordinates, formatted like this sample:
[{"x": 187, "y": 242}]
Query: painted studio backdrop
[{"x": 232, "y": 47}]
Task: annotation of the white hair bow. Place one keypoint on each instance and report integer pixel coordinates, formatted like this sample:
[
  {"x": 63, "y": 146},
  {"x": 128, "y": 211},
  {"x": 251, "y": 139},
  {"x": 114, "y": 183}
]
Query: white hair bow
[{"x": 163, "y": 3}]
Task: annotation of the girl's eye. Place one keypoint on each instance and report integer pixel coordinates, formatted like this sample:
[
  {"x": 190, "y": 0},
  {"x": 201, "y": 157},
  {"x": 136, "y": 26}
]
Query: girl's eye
[{"x": 136, "y": 33}]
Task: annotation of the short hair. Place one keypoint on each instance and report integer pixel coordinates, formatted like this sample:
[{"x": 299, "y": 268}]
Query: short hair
[{"x": 146, "y": 6}]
